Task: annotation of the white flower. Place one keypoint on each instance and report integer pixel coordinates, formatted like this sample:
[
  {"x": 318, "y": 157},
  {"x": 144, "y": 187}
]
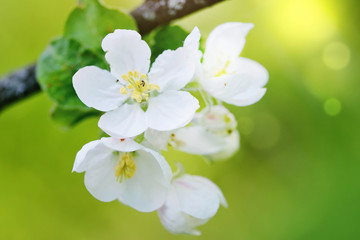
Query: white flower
[
  {"x": 223, "y": 74},
  {"x": 191, "y": 202},
  {"x": 212, "y": 133},
  {"x": 123, "y": 169},
  {"x": 133, "y": 98}
]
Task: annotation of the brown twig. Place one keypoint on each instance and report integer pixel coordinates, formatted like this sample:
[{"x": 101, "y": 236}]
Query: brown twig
[{"x": 151, "y": 14}]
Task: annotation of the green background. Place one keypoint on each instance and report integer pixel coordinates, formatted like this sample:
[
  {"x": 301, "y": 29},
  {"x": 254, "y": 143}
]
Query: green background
[{"x": 295, "y": 177}]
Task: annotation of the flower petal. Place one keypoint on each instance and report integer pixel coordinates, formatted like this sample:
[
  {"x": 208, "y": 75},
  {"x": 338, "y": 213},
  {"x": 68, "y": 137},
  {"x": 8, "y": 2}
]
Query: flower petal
[
  {"x": 230, "y": 147},
  {"x": 174, "y": 220},
  {"x": 97, "y": 88},
  {"x": 237, "y": 89},
  {"x": 125, "y": 51},
  {"x": 252, "y": 69},
  {"x": 147, "y": 190},
  {"x": 214, "y": 187},
  {"x": 126, "y": 121},
  {"x": 171, "y": 110},
  {"x": 121, "y": 145},
  {"x": 158, "y": 139},
  {"x": 196, "y": 140},
  {"x": 90, "y": 155},
  {"x": 196, "y": 198},
  {"x": 101, "y": 181},
  {"x": 172, "y": 70},
  {"x": 225, "y": 43},
  {"x": 192, "y": 40}
]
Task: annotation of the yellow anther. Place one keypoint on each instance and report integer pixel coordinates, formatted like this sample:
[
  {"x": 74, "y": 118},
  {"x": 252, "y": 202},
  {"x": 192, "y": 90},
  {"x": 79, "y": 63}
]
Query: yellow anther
[
  {"x": 136, "y": 95},
  {"x": 136, "y": 74},
  {"x": 137, "y": 82},
  {"x": 143, "y": 77},
  {"x": 123, "y": 90},
  {"x": 154, "y": 87},
  {"x": 138, "y": 86},
  {"x": 126, "y": 167}
]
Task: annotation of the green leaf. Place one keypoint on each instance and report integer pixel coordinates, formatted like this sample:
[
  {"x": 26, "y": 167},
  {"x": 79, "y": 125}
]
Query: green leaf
[
  {"x": 69, "y": 118},
  {"x": 56, "y": 67},
  {"x": 168, "y": 37},
  {"x": 90, "y": 22}
]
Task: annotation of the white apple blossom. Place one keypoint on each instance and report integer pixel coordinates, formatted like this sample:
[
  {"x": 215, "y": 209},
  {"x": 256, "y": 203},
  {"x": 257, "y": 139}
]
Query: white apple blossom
[
  {"x": 223, "y": 74},
  {"x": 211, "y": 133},
  {"x": 125, "y": 170},
  {"x": 133, "y": 97},
  {"x": 191, "y": 202}
]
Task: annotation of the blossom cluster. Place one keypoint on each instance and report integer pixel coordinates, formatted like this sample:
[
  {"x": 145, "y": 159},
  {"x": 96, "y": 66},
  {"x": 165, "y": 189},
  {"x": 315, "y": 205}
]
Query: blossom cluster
[{"x": 147, "y": 110}]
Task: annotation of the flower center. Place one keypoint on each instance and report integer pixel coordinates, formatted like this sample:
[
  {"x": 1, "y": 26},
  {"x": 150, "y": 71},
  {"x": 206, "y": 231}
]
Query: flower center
[
  {"x": 137, "y": 86},
  {"x": 126, "y": 167},
  {"x": 223, "y": 71}
]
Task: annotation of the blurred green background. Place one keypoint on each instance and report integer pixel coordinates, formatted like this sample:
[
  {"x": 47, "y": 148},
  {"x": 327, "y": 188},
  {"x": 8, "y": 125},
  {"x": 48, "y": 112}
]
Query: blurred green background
[{"x": 296, "y": 176}]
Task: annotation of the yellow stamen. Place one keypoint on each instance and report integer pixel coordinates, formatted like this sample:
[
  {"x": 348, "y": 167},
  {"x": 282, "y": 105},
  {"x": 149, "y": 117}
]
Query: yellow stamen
[
  {"x": 138, "y": 86},
  {"x": 126, "y": 167},
  {"x": 123, "y": 90}
]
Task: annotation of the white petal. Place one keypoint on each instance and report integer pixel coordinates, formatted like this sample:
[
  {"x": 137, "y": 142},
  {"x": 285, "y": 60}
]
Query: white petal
[
  {"x": 101, "y": 181},
  {"x": 237, "y": 89},
  {"x": 147, "y": 190},
  {"x": 89, "y": 155},
  {"x": 122, "y": 145},
  {"x": 171, "y": 110},
  {"x": 158, "y": 139},
  {"x": 126, "y": 121},
  {"x": 230, "y": 147},
  {"x": 197, "y": 140},
  {"x": 125, "y": 51},
  {"x": 196, "y": 198},
  {"x": 172, "y": 70},
  {"x": 192, "y": 40},
  {"x": 252, "y": 69},
  {"x": 224, "y": 43},
  {"x": 214, "y": 187},
  {"x": 174, "y": 220},
  {"x": 97, "y": 88}
]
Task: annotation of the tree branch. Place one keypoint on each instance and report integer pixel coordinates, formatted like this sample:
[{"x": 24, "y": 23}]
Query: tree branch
[
  {"x": 154, "y": 13},
  {"x": 149, "y": 15}
]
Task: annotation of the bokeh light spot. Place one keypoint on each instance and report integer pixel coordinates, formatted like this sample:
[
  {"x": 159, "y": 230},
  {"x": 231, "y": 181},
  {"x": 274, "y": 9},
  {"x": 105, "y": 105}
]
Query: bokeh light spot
[
  {"x": 336, "y": 55},
  {"x": 332, "y": 107},
  {"x": 304, "y": 22}
]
